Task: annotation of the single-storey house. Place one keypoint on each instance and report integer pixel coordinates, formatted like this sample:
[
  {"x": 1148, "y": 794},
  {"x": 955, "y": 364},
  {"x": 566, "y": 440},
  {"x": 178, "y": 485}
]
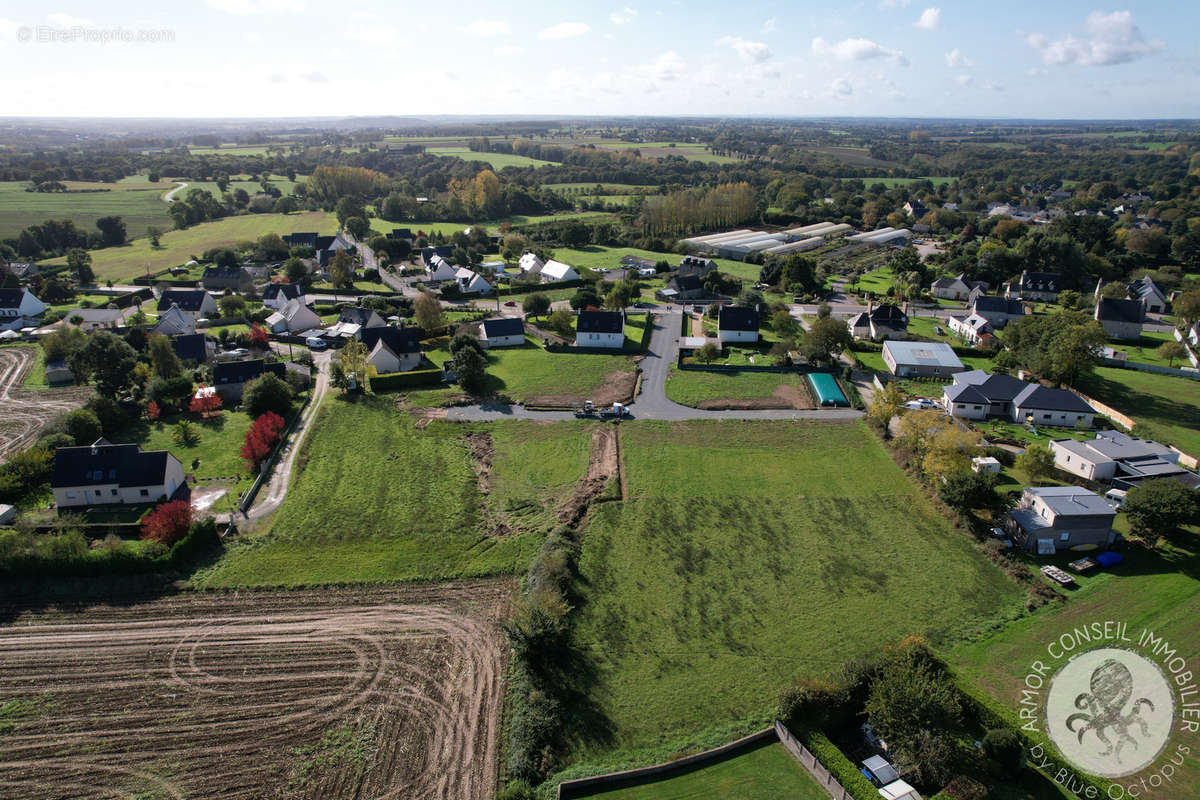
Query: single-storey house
[
  {"x": 471, "y": 282},
  {"x": 1146, "y": 291},
  {"x": 737, "y": 324},
  {"x": 439, "y": 269},
  {"x": 1043, "y": 286},
  {"x": 219, "y": 279},
  {"x": 972, "y": 328},
  {"x": 885, "y": 321},
  {"x": 231, "y": 377},
  {"x": 174, "y": 322},
  {"x": 695, "y": 265},
  {"x": 294, "y": 317},
  {"x": 90, "y": 319},
  {"x": 505, "y": 332},
  {"x": 976, "y": 394},
  {"x": 104, "y": 473},
  {"x": 998, "y": 310},
  {"x": 1118, "y": 458},
  {"x": 19, "y": 308},
  {"x": 278, "y": 295},
  {"x": 600, "y": 329},
  {"x": 1052, "y": 518},
  {"x": 1121, "y": 319},
  {"x": 554, "y": 271},
  {"x": 196, "y": 303},
  {"x": 192, "y": 348},
  {"x": 391, "y": 349},
  {"x": 957, "y": 288},
  {"x": 923, "y": 359}
]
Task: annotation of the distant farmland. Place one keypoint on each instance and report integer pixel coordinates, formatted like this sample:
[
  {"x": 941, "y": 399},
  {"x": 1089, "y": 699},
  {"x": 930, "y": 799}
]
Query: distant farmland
[{"x": 138, "y": 203}]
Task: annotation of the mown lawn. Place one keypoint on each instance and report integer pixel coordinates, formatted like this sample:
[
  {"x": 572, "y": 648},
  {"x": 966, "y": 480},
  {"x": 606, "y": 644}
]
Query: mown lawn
[
  {"x": 1165, "y": 408},
  {"x": 1144, "y": 350},
  {"x": 378, "y": 500},
  {"x": 218, "y": 450},
  {"x": 692, "y": 387},
  {"x": 177, "y": 247},
  {"x": 765, "y": 772},
  {"x": 748, "y": 554},
  {"x": 139, "y": 204}
]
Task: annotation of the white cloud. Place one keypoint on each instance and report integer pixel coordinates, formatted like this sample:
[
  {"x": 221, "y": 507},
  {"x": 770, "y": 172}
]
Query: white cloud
[
  {"x": 856, "y": 49},
  {"x": 509, "y": 50},
  {"x": 993, "y": 87},
  {"x": 769, "y": 26},
  {"x": 64, "y": 20},
  {"x": 841, "y": 88},
  {"x": 487, "y": 28},
  {"x": 1113, "y": 38},
  {"x": 247, "y": 7},
  {"x": 963, "y": 80},
  {"x": 750, "y": 52},
  {"x": 956, "y": 60},
  {"x": 894, "y": 3},
  {"x": 667, "y": 67},
  {"x": 929, "y": 20},
  {"x": 624, "y": 16},
  {"x": 564, "y": 30}
]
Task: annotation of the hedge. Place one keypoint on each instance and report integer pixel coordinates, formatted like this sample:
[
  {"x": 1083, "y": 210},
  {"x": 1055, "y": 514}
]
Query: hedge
[
  {"x": 648, "y": 331},
  {"x": 842, "y": 768},
  {"x": 126, "y": 300},
  {"x": 201, "y": 537},
  {"x": 405, "y": 380},
  {"x": 540, "y": 287}
]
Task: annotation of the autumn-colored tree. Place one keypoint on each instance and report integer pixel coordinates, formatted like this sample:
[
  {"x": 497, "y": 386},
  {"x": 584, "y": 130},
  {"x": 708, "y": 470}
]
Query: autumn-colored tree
[
  {"x": 261, "y": 438},
  {"x": 168, "y": 522},
  {"x": 259, "y": 336},
  {"x": 153, "y": 411},
  {"x": 205, "y": 403}
]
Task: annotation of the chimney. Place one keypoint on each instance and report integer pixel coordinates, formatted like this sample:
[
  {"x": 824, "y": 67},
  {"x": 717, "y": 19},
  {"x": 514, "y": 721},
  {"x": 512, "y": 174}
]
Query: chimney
[{"x": 870, "y": 306}]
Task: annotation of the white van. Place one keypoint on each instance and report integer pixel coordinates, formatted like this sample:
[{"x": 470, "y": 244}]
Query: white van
[
  {"x": 1115, "y": 498},
  {"x": 316, "y": 343}
]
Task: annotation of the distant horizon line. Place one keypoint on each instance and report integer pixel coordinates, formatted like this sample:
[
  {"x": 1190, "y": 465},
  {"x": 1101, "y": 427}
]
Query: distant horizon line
[{"x": 595, "y": 117}]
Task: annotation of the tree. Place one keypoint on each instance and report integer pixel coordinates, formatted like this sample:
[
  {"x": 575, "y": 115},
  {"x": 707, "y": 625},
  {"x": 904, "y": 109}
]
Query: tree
[
  {"x": 1157, "y": 506},
  {"x": 162, "y": 356},
  {"x": 341, "y": 270},
  {"x": 62, "y": 343},
  {"x": 427, "y": 310},
  {"x": 108, "y": 359},
  {"x": 358, "y": 227},
  {"x": 185, "y": 434},
  {"x": 750, "y": 298},
  {"x": 348, "y": 207},
  {"x": 267, "y": 394},
  {"x": 1037, "y": 462},
  {"x": 168, "y": 522},
  {"x": 154, "y": 234},
  {"x": 206, "y": 403},
  {"x": 949, "y": 451},
  {"x": 232, "y": 305},
  {"x": 296, "y": 272},
  {"x": 783, "y": 323},
  {"x": 470, "y": 363},
  {"x": 584, "y": 297},
  {"x": 79, "y": 261},
  {"x": 824, "y": 338},
  {"x": 560, "y": 321},
  {"x": 1172, "y": 352},
  {"x": 261, "y": 437},
  {"x": 259, "y": 336},
  {"x": 886, "y": 404},
  {"x": 285, "y": 205},
  {"x": 171, "y": 394},
  {"x": 966, "y": 490},
  {"x": 1187, "y": 307},
  {"x": 153, "y": 412},
  {"x": 352, "y": 361},
  {"x": 83, "y": 426},
  {"x": 622, "y": 294},
  {"x": 112, "y": 230},
  {"x": 535, "y": 304},
  {"x": 1003, "y": 746},
  {"x": 707, "y": 353}
]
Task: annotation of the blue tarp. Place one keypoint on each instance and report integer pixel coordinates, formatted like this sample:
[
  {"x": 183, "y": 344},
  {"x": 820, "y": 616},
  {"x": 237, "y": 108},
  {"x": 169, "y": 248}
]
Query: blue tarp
[{"x": 1109, "y": 559}]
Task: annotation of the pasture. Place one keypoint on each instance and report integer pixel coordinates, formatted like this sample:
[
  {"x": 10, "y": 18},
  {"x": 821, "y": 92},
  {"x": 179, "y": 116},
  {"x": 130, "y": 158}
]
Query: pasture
[
  {"x": 138, "y": 203},
  {"x": 1164, "y": 407},
  {"x": 747, "y": 554},
  {"x": 251, "y": 188},
  {"x": 892, "y": 183},
  {"x": 177, "y": 247},
  {"x": 496, "y": 160},
  {"x": 700, "y": 389}
]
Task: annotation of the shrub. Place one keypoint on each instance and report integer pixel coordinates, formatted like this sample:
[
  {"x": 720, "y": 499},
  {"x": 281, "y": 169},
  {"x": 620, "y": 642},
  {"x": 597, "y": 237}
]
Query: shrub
[
  {"x": 83, "y": 426},
  {"x": 261, "y": 438},
  {"x": 1004, "y": 747},
  {"x": 168, "y": 522},
  {"x": 810, "y": 703},
  {"x": 267, "y": 394},
  {"x": 964, "y": 788},
  {"x": 185, "y": 434},
  {"x": 25, "y": 475}
]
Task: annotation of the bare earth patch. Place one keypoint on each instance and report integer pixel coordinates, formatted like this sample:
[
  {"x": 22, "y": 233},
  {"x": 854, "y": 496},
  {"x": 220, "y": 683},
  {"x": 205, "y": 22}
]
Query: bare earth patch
[
  {"x": 357, "y": 693},
  {"x": 26, "y": 413},
  {"x": 617, "y": 387},
  {"x": 783, "y": 397},
  {"x": 604, "y": 465}
]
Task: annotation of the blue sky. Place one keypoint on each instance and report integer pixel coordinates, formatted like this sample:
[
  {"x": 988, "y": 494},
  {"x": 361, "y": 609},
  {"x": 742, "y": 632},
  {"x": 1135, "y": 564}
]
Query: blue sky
[{"x": 1051, "y": 59}]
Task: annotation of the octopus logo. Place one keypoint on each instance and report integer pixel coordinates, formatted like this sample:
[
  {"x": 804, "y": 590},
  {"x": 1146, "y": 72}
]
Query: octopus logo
[{"x": 1109, "y": 711}]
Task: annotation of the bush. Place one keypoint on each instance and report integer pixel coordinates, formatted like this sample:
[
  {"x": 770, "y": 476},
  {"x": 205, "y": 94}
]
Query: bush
[
  {"x": 810, "y": 704},
  {"x": 26, "y": 475},
  {"x": 839, "y": 766},
  {"x": 261, "y": 437},
  {"x": 267, "y": 394},
  {"x": 83, "y": 426},
  {"x": 1004, "y": 747},
  {"x": 168, "y": 522},
  {"x": 964, "y": 788}
]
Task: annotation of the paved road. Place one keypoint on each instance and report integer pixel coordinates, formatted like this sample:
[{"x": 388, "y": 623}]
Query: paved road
[
  {"x": 652, "y": 403},
  {"x": 170, "y": 196}
]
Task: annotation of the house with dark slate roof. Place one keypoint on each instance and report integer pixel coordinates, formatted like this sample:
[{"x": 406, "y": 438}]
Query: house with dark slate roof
[
  {"x": 391, "y": 349},
  {"x": 104, "y": 473},
  {"x": 600, "y": 329},
  {"x": 737, "y": 324},
  {"x": 1042, "y": 286},
  {"x": 231, "y": 377},
  {"x": 196, "y": 303},
  {"x": 19, "y": 308},
  {"x": 998, "y": 310},
  {"x": 192, "y": 348},
  {"x": 978, "y": 395},
  {"x": 696, "y": 265},
  {"x": 1147, "y": 292},
  {"x": 219, "y": 279},
  {"x": 1121, "y": 319},
  {"x": 277, "y": 295},
  {"x": 506, "y": 332},
  {"x": 881, "y": 322}
]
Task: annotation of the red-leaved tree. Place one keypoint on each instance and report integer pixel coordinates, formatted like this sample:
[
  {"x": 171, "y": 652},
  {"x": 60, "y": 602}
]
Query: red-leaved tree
[
  {"x": 259, "y": 336},
  {"x": 261, "y": 438},
  {"x": 169, "y": 522},
  {"x": 152, "y": 410},
  {"x": 205, "y": 403}
]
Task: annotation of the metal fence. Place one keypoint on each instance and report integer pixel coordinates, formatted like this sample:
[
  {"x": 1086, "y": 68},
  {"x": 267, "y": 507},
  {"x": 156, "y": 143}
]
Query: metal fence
[{"x": 811, "y": 763}]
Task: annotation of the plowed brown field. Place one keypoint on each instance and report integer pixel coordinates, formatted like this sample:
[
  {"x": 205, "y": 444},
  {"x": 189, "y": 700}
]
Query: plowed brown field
[{"x": 357, "y": 694}]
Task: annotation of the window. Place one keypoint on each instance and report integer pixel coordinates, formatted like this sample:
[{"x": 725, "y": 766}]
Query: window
[
  {"x": 70, "y": 495},
  {"x": 1065, "y": 536},
  {"x": 145, "y": 493},
  {"x": 114, "y": 492}
]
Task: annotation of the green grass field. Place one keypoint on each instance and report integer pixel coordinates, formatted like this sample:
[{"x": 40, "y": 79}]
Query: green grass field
[
  {"x": 892, "y": 183},
  {"x": 1165, "y": 408},
  {"x": 748, "y": 554},
  {"x": 1158, "y": 591},
  {"x": 692, "y": 387},
  {"x": 600, "y": 257},
  {"x": 138, "y": 203},
  {"x": 252, "y": 188},
  {"x": 497, "y": 160},
  {"x": 1144, "y": 349},
  {"x": 765, "y": 772},
  {"x": 179, "y": 246},
  {"x": 379, "y": 500},
  {"x": 611, "y": 187},
  {"x": 218, "y": 450}
]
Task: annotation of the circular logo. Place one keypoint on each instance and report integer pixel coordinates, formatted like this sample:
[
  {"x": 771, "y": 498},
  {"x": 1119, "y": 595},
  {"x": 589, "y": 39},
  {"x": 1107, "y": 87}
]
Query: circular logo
[{"x": 1109, "y": 711}]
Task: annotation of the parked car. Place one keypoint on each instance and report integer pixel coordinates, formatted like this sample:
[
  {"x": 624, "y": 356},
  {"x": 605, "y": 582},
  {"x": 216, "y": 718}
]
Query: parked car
[
  {"x": 316, "y": 343},
  {"x": 237, "y": 352},
  {"x": 510, "y": 304},
  {"x": 921, "y": 403}
]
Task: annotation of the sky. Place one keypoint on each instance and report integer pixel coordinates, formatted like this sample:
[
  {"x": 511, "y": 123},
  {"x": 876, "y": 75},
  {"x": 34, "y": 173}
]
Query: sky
[{"x": 1049, "y": 59}]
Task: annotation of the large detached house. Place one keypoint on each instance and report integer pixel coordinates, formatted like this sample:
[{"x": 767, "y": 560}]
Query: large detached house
[
  {"x": 998, "y": 310},
  {"x": 174, "y": 322},
  {"x": 294, "y": 317},
  {"x": 957, "y": 288},
  {"x": 231, "y": 377},
  {"x": 352, "y": 320},
  {"x": 1041, "y": 286},
  {"x": 1053, "y": 518},
  {"x": 736, "y": 324},
  {"x": 391, "y": 349},
  {"x": 695, "y": 265},
  {"x": 978, "y": 395},
  {"x": 19, "y": 309},
  {"x": 1146, "y": 291},
  {"x": 886, "y": 321},
  {"x": 104, "y": 473},
  {"x": 921, "y": 359},
  {"x": 439, "y": 269},
  {"x": 506, "y": 332},
  {"x": 1121, "y": 319},
  {"x": 1121, "y": 459},
  {"x": 277, "y": 295},
  {"x": 235, "y": 277},
  {"x": 600, "y": 329},
  {"x": 972, "y": 328},
  {"x": 195, "y": 303}
]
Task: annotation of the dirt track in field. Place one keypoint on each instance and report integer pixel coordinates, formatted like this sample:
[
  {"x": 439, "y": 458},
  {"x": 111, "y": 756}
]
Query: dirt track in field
[
  {"x": 355, "y": 694},
  {"x": 26, "y": 413},
  {"x": 604, "y": 465}
]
